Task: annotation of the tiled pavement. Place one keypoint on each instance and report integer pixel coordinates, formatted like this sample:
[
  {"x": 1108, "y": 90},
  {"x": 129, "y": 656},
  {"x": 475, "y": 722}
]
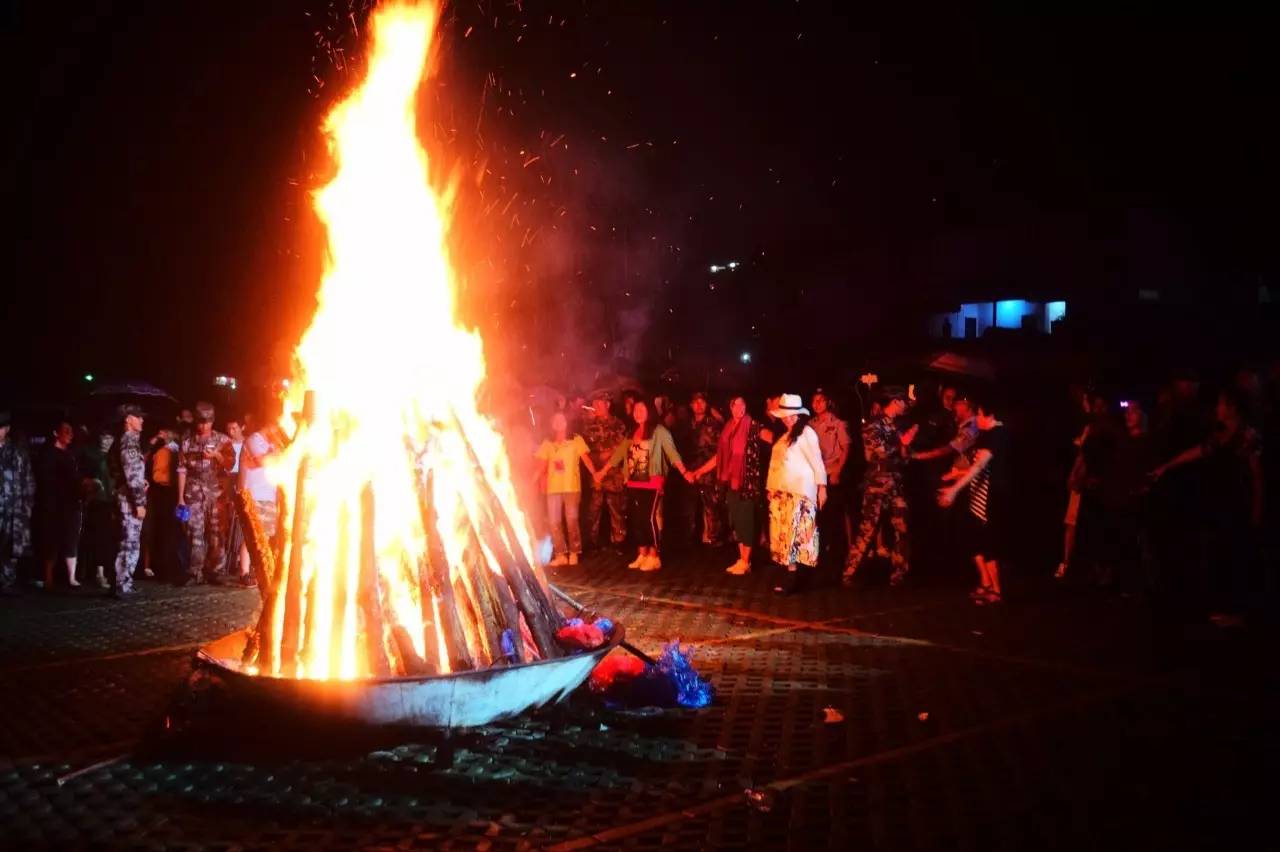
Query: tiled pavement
[{"x": 1040, "y": 724}]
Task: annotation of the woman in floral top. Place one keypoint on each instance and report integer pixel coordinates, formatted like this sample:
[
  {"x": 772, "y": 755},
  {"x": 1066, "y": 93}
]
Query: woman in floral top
[{"x": 646, "y": 456}]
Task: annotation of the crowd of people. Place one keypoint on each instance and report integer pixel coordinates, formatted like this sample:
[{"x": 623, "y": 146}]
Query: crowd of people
[
  {"x": 106, "y": 509},
  {"x": 1173, "y": 504},
  {"x": 1177, "y": 500},
  {"x": 1175, "y": 507},
  {"x": 795, "y": 483}
]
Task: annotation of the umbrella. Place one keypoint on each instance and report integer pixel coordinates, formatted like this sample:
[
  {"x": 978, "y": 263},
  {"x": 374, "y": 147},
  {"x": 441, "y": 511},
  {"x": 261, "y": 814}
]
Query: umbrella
[
  {"x": 617, "y": 384},
  {"x": 963, "y": 365},
  {"x": 132, "y": 389}
]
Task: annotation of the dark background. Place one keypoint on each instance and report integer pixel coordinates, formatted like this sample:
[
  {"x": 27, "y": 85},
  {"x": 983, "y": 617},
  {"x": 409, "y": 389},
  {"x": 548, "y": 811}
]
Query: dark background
[{"x": 862, "y": 169}]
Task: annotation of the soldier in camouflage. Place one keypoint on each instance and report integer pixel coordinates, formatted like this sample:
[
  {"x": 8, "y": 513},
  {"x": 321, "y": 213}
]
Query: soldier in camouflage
[
  {"x": 704, "y": 444},
  {"x": 883, "y": 500},
  {"x": 17, "y": 494},
  {"x": 205, "y": 456},
  {"x": 603, "y": 433},
  {"x": 129, "y": 470}
]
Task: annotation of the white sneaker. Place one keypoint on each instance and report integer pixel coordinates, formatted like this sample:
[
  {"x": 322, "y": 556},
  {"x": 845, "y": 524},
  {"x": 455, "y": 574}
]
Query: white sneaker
[
  {"x": 573, "y": 559},
  {"x": 1061, "y": 571},
  {"x": 738, "y": 568},
  {"x": 559, "y": 562},
  {"x": 102, "y": 582},
  {"x": 639, "y": 561},
  {"x": 651, "y": 563}
]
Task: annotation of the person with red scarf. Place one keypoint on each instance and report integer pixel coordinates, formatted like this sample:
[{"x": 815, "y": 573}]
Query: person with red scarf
[{"x": 740, "y": 469}]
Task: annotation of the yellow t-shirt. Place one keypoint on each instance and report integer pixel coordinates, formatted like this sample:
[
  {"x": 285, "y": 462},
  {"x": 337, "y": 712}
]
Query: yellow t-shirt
[{"x": 562, "y": 457}]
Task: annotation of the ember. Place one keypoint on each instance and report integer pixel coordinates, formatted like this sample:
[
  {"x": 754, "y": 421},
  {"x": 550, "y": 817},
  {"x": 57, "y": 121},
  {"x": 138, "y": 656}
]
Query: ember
[{"x": 405, "y": 552}]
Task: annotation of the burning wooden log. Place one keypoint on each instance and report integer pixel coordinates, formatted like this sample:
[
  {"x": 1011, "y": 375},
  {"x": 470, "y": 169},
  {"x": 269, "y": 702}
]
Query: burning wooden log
[
  {"x": 438, "y": 588},
  {"x": 368, "y": 594},
  {"x": 262, "y": 559},
  {"x": 498, "y": 534},
  {"x": 496, "y": 588},
  {"x": 487, "y": 616},
  {"x": 293, "y": 574},
  {"x": 340, "y": 591},
  {"x": 259, "y": 650},
  {"x": 411, "y": 663}
]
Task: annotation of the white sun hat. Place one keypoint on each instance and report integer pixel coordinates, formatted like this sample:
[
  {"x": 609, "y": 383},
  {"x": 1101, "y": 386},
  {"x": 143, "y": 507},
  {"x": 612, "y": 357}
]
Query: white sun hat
[{"x": 788, "y": 403}]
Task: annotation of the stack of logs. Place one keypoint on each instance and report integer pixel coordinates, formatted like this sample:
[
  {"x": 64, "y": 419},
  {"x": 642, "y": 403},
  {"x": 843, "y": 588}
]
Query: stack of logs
[{"x": 485, "y": 619}]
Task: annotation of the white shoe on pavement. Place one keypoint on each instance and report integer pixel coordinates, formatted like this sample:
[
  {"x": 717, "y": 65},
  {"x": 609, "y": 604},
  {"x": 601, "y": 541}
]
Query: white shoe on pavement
[
  {"x": 559, "y": 562},
  {"x": 573, "y": 559},
  {"x": 738, "y": 568},
  {"x": 637, "y": 562},
  {"x": 651, "y": 563}
]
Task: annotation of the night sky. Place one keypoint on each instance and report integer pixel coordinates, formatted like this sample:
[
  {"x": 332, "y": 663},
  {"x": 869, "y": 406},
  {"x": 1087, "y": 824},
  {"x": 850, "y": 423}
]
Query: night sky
[{"x": 159, "y": 154}]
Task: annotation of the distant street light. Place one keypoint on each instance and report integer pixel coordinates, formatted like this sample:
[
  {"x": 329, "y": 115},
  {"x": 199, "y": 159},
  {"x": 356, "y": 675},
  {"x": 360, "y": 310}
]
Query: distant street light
[
  {"x": 88, "y": 377},
  {"x": 745, "y": 357}
]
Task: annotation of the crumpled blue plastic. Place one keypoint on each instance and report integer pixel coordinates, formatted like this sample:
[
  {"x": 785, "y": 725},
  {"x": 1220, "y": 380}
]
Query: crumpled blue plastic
[
  {"x": 692, "y": 690},
  {"x": 508, "y": 643}
]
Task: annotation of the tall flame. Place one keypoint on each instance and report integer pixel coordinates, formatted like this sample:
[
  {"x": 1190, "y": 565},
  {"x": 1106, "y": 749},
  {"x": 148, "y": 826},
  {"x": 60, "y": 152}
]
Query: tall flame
[{"x": 388, "y": 364}]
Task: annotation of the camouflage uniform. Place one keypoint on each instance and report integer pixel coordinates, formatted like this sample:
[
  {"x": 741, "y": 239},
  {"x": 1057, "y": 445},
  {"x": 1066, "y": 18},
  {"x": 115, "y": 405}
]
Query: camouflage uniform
[
  {"x": 203, "y": 495},
  {"x": 17, "y": 493},
  {"x": 882, "y": 500},
  {"x": 704, "y": 443},
  {"x": 602, "y": 435},
  {"x": 130, "y": 473}
]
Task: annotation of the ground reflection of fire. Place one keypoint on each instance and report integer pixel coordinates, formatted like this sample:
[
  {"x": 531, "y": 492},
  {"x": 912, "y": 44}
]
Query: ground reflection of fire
[{"x": 403, "y": 550}]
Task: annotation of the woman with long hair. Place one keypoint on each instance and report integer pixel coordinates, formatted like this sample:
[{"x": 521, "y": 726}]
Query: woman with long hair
[
  {"x": 646, "y": 455},
  {"x": 739, "y": 467},
  {"x": 797, "y": 489}
]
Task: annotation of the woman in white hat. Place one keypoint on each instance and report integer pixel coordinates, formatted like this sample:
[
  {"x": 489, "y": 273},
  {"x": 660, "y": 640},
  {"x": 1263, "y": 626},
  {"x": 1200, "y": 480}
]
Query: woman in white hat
[{"x": 797, "y": 489}]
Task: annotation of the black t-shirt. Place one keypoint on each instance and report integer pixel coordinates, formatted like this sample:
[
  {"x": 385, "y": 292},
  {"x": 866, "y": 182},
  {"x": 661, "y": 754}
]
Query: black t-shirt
[
  {"x": 989, "y": 489},
  {"x": 57, "y": 478}
]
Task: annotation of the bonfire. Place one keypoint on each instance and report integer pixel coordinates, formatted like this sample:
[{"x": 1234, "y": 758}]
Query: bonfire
[{"x": 401, "y": 547}]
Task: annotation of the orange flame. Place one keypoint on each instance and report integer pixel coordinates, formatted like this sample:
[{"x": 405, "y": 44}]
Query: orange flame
[{"x": 388, "y": 363}]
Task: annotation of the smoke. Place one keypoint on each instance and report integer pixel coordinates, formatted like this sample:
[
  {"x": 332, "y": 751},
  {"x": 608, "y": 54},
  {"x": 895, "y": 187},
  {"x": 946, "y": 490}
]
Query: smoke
[{"x": 575, "y": 303}]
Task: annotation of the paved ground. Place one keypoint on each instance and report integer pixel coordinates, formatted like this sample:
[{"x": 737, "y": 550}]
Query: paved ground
[{"x": 1040, "y": 724}]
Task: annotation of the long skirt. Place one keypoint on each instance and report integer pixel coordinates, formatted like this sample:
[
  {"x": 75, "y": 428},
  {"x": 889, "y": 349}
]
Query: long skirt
[{"x": 793, "y": 529}]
